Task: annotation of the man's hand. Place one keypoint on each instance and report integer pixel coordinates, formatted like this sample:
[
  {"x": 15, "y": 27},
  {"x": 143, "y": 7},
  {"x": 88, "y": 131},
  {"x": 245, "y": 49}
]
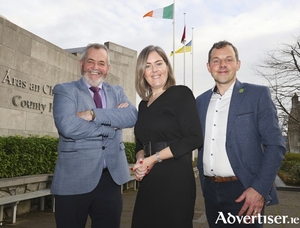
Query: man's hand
[
  {"x": 86, "y": 115},
  {"x": 254, "y": 202},
  {"x": 123, "y": 105}
]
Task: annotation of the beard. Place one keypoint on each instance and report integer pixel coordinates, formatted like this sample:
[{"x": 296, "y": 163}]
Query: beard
[{"x": 92, "y": 82}]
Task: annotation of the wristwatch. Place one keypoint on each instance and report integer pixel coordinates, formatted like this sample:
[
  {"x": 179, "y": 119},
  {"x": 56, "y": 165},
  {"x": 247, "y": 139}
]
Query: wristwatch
[{"x": 157, "y": 157}]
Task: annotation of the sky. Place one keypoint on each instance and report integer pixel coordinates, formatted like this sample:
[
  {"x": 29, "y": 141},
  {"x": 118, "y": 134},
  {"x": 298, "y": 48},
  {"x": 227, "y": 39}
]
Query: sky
[{"x": 253, "y": 26}]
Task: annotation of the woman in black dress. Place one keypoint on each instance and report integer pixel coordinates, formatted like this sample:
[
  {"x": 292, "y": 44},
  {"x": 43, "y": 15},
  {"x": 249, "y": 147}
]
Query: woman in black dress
[{"x": 167, "y": 131}]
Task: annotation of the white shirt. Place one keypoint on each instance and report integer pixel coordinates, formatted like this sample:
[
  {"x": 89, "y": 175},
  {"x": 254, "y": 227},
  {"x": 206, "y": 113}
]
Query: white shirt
[{"x": 215, "y": 159}]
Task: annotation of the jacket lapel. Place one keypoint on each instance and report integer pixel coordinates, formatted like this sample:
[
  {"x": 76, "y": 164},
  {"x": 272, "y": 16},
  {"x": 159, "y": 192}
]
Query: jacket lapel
[
  {"x": 205, "y": 105},
  {"x": 237, "y": 97},
  {"x": 109, "y": 95},
  {"x": 84, "y": 91}
]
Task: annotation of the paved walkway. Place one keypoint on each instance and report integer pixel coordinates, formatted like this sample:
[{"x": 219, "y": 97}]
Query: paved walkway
[{"x": 289, "y": 206}]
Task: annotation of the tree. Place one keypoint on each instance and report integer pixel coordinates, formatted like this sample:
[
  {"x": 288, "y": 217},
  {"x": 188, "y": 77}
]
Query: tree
[{"x": 280, "y": 67}]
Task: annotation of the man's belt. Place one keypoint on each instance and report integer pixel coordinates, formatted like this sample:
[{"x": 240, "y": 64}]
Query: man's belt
[
  {"x": 221, "y": 179},
  {"x": 151, "y": 148}
]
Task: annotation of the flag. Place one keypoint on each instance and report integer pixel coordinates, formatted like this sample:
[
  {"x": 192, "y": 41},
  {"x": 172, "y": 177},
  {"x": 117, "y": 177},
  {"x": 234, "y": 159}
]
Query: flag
[
  {"x": 166, "y": 12},
  {"x": 188, "y": 48},
  {"x": 183, "y": 36}
]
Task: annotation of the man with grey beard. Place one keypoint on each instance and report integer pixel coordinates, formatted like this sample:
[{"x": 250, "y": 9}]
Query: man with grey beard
[{"x": 91, "y": 166}]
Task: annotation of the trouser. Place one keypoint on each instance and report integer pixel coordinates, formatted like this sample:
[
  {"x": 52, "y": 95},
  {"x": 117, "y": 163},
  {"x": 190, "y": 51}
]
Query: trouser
[
  {"x": 219, "y": 201},
  {"x": 103, "y": 205}
]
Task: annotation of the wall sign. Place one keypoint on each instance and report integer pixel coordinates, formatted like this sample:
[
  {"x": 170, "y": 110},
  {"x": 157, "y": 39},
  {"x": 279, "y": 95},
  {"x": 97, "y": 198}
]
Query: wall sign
[{"x": 20, "y": 101}]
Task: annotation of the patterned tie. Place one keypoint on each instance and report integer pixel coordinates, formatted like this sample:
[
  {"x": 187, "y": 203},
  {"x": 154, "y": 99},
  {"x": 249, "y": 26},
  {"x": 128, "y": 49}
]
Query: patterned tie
[{"x": 97, "y": 97}]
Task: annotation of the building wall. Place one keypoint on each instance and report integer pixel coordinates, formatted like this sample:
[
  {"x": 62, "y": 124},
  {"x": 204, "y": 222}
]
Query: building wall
[
  {"x": 293, "y": 125},
  {"x": 30, "y": 67}
]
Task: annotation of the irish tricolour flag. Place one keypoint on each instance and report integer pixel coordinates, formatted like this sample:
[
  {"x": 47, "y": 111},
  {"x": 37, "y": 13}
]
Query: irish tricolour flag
[{"x": 166, "y": 12}]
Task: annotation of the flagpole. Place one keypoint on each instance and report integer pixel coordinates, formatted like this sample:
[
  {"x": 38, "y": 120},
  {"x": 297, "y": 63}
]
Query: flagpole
[
  {"x": 184, "y": 52},
  {"x": 192, "y": 50},
  {"x": 174, "y": 37},
  {"x": 192, "y": 47}
]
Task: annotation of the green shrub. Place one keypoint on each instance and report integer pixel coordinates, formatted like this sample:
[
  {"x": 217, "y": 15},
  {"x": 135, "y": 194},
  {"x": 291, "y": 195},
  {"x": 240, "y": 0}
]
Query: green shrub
[
  {"x": 20, "y": 156},
  {"x": 130, "y": 152},
  {"x": 292, "y": 157},
  {"x": 31, "y": 155},
  {"x": 289, "y": 171}
]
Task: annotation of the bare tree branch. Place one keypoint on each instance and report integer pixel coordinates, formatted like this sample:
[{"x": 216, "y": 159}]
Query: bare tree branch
[{"x": 281, "y": 69}]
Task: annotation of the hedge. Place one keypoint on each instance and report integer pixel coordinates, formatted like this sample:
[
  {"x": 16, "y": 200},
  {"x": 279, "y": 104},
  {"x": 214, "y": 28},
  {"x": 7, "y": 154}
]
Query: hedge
[
  {"x": 289, "y": 171},
  {"x": 33, "y": 155}
]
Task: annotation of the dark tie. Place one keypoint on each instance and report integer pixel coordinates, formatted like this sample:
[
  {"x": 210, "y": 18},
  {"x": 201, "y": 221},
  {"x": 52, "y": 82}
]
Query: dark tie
[
  {"x": 97, "y": 97},
  {"x": 98, "y": 103}
]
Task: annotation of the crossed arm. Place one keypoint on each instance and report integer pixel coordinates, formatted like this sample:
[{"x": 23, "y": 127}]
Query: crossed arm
[
  {"x": 77, "y": 125},
  {"x": 88, "y": 115}
]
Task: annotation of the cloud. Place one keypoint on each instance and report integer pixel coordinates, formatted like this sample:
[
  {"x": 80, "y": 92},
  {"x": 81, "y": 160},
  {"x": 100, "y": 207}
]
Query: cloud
[{"x": 253, "y": 26}]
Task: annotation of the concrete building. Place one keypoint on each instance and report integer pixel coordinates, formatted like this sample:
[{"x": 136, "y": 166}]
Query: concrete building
[
  {"x": 294, "y": 126},
  {"x": 30, "y": 67}
]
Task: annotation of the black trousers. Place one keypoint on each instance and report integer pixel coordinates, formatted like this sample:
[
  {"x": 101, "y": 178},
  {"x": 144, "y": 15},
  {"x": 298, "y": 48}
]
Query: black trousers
[
  {"x": 103, "y": 205},
  {"x": 219, "y": 200}
]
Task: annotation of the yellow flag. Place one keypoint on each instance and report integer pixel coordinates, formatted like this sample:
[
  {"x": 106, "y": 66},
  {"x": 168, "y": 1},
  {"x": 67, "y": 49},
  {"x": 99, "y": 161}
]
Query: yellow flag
[{"x": 188, "y": 48}]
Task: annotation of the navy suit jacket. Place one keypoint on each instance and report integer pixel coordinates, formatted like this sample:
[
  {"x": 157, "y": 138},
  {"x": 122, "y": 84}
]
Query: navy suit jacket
[
  {"x": 254, "y": 141},
  {"x": 83, "y": 145}
]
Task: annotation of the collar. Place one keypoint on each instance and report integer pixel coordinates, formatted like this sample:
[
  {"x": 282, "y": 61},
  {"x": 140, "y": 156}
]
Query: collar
[
  {"x": 88, "y": 86},
  {"x": 215, "y": 89}
]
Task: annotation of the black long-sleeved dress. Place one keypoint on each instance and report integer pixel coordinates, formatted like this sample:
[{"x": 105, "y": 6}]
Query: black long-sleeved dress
[{"x": 166, "y": 196}]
